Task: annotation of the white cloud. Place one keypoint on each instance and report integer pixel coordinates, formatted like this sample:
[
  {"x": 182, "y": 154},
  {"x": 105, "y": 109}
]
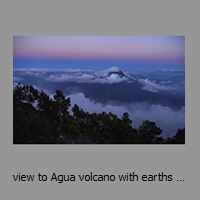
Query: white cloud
[
  {"x": 91, "y": 107},
  {"x": 152, "y": 86},
  {"x": 17, "y": 78},
  {"x": 39, "y": 74},
  {"x": 87, "y": 77},
  {"x": 71, "y": 77},
  {"x": 166, "y": 118},
  {"x": 165, "y": 82},
  {"x": 30, "y": 73},
  {"x": 112, "y": 75}
]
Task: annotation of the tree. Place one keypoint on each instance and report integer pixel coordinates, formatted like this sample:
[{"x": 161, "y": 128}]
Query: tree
[
  {"x": 78, "y": 113},
  {"x": 61, "y": 104},
  {"x": 126, "y": 119},
  {"x": 179, "y": 138},
  {"x": 44, "y": 102},
  {"x": 149, "y": 132}
]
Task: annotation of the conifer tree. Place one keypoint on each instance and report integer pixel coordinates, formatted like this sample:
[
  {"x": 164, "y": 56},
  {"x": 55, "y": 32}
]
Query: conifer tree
[{"x": 149, "y": 132}]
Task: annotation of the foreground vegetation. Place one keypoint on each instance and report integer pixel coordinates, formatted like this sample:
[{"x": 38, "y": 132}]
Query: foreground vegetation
[{"x": 38, "y": 119}]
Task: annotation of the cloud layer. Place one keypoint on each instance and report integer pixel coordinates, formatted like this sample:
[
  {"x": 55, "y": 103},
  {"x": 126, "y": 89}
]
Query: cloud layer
[
  {"x": 152, "y": 86},
  {"x": 165, "y": 117},
  {"x": 110, "y": 76},
  {"x": 141, "y": 109}
]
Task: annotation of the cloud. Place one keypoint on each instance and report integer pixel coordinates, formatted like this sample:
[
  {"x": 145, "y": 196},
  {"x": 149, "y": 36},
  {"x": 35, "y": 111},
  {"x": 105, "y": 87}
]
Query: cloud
[
  {"x": 108, "y": 76},
  {"x": 113, "y": 78},
  {"x": 152, "y": 86},
  {"x": 91, "y": 106},
  {"x": 165, "y": 82},
  {"x": 71, "y": 77},
  {"x": 165, "y": 117},
  {"x": 17, "y": 78},
  {"x": 29, "y": 72},
  {"x": 39, "y": 74}
]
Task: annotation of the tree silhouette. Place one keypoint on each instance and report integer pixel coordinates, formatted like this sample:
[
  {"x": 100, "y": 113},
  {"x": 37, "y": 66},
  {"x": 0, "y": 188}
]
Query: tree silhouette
[
  {"x": 179, "y": 138},
  {"x": 38, "y": 119},
  {"x": 126, "y": 119},
  {"x": 149, "y": 132}
]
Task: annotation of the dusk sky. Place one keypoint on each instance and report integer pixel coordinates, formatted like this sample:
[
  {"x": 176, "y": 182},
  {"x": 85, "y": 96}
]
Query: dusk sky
[{"x": 100, "y": 52}]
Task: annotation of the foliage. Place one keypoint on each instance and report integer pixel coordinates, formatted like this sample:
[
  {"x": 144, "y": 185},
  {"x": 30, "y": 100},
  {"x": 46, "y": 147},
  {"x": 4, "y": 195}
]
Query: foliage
[
  {"x": 38, "y": 119},
  {"x": 149, "y": 133},
  {"x": 179, "y": 138}
]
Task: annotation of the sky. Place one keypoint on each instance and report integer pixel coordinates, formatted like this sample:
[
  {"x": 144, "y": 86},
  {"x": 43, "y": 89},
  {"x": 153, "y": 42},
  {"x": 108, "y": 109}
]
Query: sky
[{"x": 100, "y": 52}]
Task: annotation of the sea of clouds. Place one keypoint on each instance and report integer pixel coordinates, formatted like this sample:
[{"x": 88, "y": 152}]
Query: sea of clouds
[
  {"x": 165, "y": 117},
  {"x": 168, "y": 119}
]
